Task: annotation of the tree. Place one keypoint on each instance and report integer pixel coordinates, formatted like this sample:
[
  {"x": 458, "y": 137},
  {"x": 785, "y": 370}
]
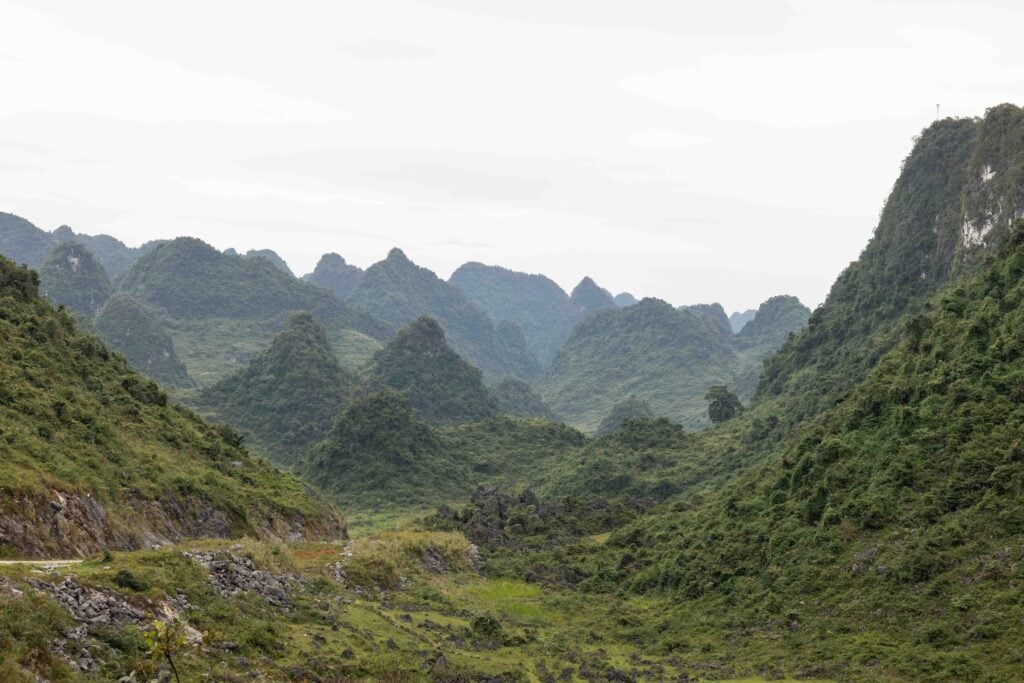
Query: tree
[
  {"x": 722, "y": 404},
  {"x": 165, "y": 640}
]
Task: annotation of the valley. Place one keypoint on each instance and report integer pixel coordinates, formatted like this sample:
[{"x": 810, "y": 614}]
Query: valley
[{"x": 212, "y": 469}]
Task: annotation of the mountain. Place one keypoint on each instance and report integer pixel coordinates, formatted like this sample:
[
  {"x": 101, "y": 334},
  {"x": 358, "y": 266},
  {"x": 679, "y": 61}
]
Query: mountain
[
  {"x": 738, "y": 319},
  {"x": 115, "y": 255},
  {"x": 624, "y": 299},
  {"x": 23, "y": 242},
  {"x": 94, "y": 457},
  {"x": 535, "y": 303},
  {"x": 133, "y": 330},
  {"x": 912, "y": 254},
  {"x": 629, "y": 408},
  {"x": 773, "y": 323},
  {"x": 398, "y": 291},
  {"x": 441, "y": 387},
  {"x": 271, "y": 256},
  {"x": 334, "y": 274},
  {"x": 288, "y": 396},
  {"x": 379, "y": 452},
  {"x": 714, "y": 314},
  {"x": 588, "y": 298},
  {"x": 662, "y": 355},
  {"x": 70, "y": 276},
  {"x": 221, "y": 310},
  {"x": 517, "y": 398},
  {"x": 905, "y": 497}
]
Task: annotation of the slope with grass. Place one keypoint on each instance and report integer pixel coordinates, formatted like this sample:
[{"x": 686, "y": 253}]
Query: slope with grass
[
  {"x": 285, "y": 400},
  {"x": 399, "y": 291},
  {"x": 221, "y": 310},
  {"x": 93, "y": 456}
]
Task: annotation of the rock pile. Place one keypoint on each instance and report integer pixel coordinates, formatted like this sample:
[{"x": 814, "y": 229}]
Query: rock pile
[
  {"x": 231, "y": 574},
  {"x": 89, "y": 605}
]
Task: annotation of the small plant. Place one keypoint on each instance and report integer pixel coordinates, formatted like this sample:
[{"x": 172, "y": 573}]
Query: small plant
[
  {"x": 165, "y": 640},
  {"x": 126, "y": 579}
]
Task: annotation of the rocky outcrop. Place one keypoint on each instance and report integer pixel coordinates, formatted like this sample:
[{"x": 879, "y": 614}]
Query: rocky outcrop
[
  {"x": 232, "y": 574},
  {"x": 75, "y": 525}
]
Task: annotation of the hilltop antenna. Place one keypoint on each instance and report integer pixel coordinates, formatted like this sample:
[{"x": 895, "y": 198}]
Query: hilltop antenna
[{"x": 936, "y": 112}]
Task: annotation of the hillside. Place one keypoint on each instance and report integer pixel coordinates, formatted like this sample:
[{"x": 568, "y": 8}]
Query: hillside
[
  {"x": 667, "y": 357},
  {"x": 713, "y": 314},
  {"x": 271, "y": 257},
  {"x": 627, "y": 409},
  {"x": 398, "y": 291},
  {"x": 517, "y": 398},
  {"x": 287, "y": 397},
  {"x": 441, "y": 386},
  {"x": 624, "y": 299},
  {"x": 378, "y": 453},
  {"x": 534, "y": 302},
  {"x": 904, "y": 498},
  {"x": 134, "y": 331},
  {"x": 70, "y": 276},
  {"x": 221, "y": 310},
  {"x": 94, "y": 457},
  {"x": 334, "y": 274},
  {"x": 739, "y": 319},
  {"x": 23, "y": 242},
  {"x": 588, "y": 298}
]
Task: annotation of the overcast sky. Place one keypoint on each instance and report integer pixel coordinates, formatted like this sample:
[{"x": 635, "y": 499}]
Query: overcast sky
[{"x": 695, "y": 152}]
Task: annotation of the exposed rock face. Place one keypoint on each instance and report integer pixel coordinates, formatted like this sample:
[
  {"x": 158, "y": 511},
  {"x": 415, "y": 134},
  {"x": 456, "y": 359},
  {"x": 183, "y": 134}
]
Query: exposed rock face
[
  {"x": 77, "y": 525},
  {"x": 232, "y": 574}
]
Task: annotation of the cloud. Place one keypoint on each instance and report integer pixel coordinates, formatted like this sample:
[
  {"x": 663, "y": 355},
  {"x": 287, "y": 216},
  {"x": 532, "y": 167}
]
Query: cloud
[
  {"x": 662, "y": 138},
  {"x": 387, "y": 49},
  {"x": 88, "y": 75}
]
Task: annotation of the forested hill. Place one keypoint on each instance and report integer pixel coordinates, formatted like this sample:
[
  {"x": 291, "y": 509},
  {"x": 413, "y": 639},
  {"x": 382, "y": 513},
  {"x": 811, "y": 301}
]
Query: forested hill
[
  {"x": 93, "y": 455},
  {"x": 398, "y": 291}
]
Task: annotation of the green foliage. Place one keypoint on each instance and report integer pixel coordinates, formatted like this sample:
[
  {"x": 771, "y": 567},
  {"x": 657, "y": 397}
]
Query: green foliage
[
  {"x": 70, "y": 276},
  {"x": 442, "y": 387},
  {"x": 76, "y": 419},
  {"x": 910, "y": 257},
  {"x": 166, "y": 640},
  {"x": 664, "y": 356},
  {"x": 722, "y": 404},
  {"x": 22, "y": 242},
  {"x": 333, "y": 274},
  {"x": 517, "y": 398},
  {"x": 288, "y": 396},
  {"x": 399, "y": 291},
  {"x": 222, "y": 308},
  {"x": 378, "y": 451},
  {"x": 271, "y": 257},
  {"x": 588, "y": 298},
  {"x": 533, "y": 302},
  {"x": 628, "y": 408},
  {"x": 132, "y": 329},
  {"x": 713, "y": 314},
  {"x": 29, "y": 624}
]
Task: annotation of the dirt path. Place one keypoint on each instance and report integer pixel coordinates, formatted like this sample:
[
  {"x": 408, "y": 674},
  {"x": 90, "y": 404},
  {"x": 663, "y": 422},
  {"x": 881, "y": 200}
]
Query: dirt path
[{"x": 42, "y": 563}]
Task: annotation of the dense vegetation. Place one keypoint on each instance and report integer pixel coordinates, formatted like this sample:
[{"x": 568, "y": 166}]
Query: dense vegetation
[
  {"x": 83, "y": 435},
  {"x": 628, "y": 408},
  {"x": 70, "y": 276},
  {"x": 286, "y": 399},
  {"x": 534, "y": 302},
  {"x": 399, "y": 291},
  {"x": 517, "y": 398},
  {"x": 713, "y": 314},
  {"x": 441, "y": 386},
  {"x": 588, "y": 298},
  {"x": 334, "y": 274},
  {"x": 136, "y": 332},
  {"x": 221, "y": 309}
]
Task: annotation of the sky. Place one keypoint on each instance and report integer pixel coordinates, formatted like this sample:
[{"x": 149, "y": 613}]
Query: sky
[{"x": 694, "y": 152}]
